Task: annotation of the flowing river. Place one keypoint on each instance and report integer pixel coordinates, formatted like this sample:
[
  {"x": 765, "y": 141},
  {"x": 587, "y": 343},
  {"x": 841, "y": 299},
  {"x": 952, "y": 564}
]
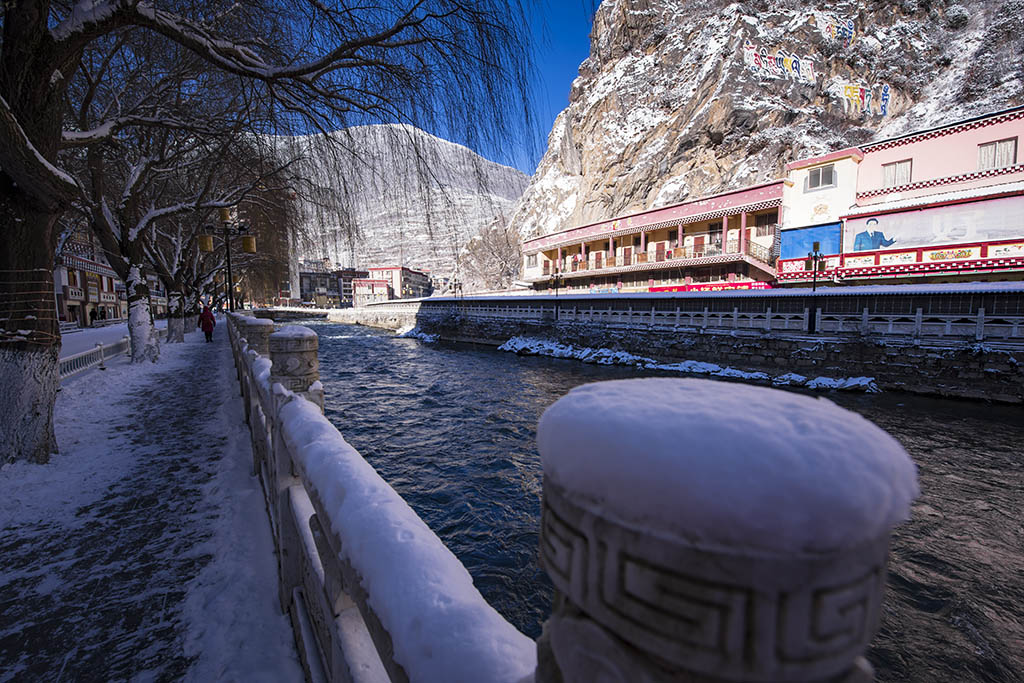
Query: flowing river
[{"x": 452, "y": 428}]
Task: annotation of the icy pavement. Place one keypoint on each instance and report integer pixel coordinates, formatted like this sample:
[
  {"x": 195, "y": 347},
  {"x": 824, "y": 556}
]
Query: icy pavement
[{"x": 142, "y": 551}]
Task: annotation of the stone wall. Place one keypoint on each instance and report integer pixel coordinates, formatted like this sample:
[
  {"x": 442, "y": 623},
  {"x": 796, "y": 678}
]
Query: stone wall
[
  {"x": 388, "y": 319},
  {"x": 961, "y": 370}
]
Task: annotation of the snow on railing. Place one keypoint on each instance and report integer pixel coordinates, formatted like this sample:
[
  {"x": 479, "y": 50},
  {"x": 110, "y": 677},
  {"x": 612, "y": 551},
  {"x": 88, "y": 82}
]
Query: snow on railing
[
  {"x": 72, "y": 365},
  {"x": 373, "y": 593},
  {"x": 753, "y": 550}
]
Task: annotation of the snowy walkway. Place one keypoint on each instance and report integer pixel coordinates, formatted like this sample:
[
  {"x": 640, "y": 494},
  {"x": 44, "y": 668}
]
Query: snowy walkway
[{"x": 142, "y": 551}]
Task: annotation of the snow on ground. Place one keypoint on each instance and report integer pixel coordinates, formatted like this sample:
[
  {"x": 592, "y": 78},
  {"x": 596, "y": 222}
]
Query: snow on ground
[
  {"x": 798, "y": 474},
  {"x": 528, "y": 346},
  {"x": 142, "y": 550},
  {"x": 87, "y": 338}
]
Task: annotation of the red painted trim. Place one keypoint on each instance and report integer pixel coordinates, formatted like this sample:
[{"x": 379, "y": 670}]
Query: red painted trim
[
  {"x": 832, "y": 156},
  {"x": 933, "y": 205},
  {"x": 712, "y": 287}
]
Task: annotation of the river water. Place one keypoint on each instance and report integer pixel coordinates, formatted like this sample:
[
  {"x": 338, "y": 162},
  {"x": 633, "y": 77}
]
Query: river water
[{"x": 452, "y": 428}]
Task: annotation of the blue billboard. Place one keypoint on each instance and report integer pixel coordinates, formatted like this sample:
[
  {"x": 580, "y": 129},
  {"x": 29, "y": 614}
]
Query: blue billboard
[{"x": 799, "y": 242}]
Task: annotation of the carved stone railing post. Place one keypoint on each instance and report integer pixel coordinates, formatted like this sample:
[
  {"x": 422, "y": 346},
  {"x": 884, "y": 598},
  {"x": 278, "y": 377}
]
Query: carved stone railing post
[
  {"x": 257, "y": 332},
  {"x": 704, "y": 532},
  {"x": 295, "y": 362}
]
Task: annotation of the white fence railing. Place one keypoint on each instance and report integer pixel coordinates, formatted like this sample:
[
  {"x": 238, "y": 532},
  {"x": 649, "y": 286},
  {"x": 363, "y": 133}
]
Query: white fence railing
[
  {"x": 979, "y": 326},
  {"x": 373, "y": 593},
  {"x": 97, "y": 356}
]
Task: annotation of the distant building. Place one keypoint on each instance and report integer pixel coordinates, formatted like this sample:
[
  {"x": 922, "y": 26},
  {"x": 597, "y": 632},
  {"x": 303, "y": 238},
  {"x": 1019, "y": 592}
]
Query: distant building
[
  {"x": 368, "y": 290},
  {"x": 85, "y": 286},
  {"x": 317, "y": 284},
  {"x": 405, "y": 283},
  {"x": 939, "y": 205},
  {"x": 346, "y": 292}
]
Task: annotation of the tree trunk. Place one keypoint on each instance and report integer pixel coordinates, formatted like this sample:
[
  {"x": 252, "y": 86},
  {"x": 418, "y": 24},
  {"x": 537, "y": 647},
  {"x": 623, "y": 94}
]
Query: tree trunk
[
  {"x": 175, "y": 317},
  {"x": 29, "y": 333},
  {"x": 141, "y": 329}
]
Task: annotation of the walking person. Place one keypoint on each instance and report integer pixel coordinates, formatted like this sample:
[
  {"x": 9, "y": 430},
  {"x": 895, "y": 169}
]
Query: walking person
[{"x": 206, "y": 321}]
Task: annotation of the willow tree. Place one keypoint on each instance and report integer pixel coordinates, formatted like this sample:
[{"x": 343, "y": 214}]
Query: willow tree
[{"x": 456, "y": 67}]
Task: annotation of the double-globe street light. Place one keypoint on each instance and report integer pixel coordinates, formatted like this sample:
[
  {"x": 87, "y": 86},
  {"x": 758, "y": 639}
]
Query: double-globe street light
[{"x": 228, "y": 231}]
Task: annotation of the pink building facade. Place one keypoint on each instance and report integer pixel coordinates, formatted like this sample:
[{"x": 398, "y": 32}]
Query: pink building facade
[
  {"x": 724, "y": 241},
  {"x": 939, "y": 205}
]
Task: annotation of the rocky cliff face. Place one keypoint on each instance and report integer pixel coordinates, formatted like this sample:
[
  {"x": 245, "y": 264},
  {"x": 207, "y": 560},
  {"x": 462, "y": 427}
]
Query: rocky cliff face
[
  {"x": 682, "y": 98},
  {"x": 395, "y": 195}
]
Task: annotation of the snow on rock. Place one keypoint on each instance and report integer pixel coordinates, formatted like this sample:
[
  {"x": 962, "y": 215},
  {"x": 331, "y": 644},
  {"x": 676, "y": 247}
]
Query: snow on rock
[
  {"x": 528, "y": 346},
  {"x": 726, "y": 465},
  {"x": 441, "y": 627},
  {"x": 865, "y": 383},
  {"x": 414, "y": 332}
]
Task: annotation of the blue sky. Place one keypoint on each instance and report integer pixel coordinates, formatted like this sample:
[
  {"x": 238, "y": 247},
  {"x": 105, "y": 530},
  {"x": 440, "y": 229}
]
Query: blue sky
[{"x": 561, "y": 42}]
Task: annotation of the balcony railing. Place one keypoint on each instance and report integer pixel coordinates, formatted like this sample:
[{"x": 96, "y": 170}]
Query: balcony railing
[{"x": 709, "y": 244}]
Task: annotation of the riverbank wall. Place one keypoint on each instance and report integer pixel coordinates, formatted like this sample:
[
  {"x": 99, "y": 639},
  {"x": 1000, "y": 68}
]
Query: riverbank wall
[{"x": 953, "y": 356}]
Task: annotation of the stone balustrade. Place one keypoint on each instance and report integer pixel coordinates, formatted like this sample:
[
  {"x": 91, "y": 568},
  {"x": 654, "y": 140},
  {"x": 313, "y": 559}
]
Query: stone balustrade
[{"x": 754, "y": 549}]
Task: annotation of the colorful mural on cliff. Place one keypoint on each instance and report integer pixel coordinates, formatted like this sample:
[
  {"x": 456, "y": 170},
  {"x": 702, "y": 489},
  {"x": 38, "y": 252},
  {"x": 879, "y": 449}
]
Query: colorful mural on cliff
[
  {"x": 779, "y": 64},
  {"x": 859, "y": 100}
]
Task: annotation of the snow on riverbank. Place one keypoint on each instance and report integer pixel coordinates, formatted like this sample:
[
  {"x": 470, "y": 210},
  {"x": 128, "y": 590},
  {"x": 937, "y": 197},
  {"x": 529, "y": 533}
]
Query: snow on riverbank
[
  {"x": 414, "y": 332},
  {"x": 528, "y": 346}
]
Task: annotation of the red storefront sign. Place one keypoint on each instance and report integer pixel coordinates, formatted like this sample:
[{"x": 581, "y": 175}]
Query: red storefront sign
[{"x": 714, "y": 287}]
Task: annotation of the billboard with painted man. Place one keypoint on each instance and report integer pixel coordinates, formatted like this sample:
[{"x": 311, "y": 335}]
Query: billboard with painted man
[{"x": 982, "y": 221}]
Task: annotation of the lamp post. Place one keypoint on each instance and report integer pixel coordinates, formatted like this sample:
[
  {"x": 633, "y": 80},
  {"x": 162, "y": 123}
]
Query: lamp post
[
  {"x": 815, "y": 262},
  {"x": 557, "y": 280},
  {"x": 229, "y": 229}
]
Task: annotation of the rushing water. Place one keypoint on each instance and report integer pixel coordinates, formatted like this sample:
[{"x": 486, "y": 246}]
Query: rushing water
[{"x": 452, "y": 429}]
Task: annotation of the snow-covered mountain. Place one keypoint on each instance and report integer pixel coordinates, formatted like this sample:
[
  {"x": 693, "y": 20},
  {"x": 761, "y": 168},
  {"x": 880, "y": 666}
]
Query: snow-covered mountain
[
  {"x": 682, "y": 98},
  {"x": 395, "y": 195}
]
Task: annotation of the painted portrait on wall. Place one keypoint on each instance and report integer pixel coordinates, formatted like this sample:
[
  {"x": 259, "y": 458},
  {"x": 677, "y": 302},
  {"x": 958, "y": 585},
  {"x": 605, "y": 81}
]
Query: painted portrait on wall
[{"x": 984, "y": 221}]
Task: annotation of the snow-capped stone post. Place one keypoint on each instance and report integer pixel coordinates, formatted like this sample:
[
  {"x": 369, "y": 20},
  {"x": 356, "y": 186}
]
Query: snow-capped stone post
[
  {"x": 705, "y": 531},
  {"x": 257, "y": 332},
  {"x": 295, "y": 362}
]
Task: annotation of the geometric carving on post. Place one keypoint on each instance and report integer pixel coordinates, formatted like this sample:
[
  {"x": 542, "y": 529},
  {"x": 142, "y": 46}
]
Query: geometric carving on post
[
  {"x": 295, "y": 363},
  {"x": 257, "y": 332},
  {"x": 714, "y": 557}
]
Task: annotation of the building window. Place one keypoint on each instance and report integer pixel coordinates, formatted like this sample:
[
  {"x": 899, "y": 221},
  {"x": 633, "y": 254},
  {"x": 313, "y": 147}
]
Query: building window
[
  {"x": 824, "y": 176},
  {"x": 999, "y": 154},
  {"x": 531, "y": 261},
  {"x": 896, "y": 173}
]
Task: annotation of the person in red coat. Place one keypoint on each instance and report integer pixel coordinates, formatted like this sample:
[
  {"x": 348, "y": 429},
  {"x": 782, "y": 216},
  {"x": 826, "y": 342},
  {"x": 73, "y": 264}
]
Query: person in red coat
[{"x": 207, "y": 322}]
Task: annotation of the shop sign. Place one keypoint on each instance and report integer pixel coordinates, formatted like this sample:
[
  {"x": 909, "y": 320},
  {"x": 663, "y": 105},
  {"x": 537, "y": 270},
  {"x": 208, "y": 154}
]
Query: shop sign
[
  {"x": 955, "y": 254},
  {"x": 859, "y": 261},
  {"x": 1004, "y": 250},
  {"x": 900, "y": 257}
]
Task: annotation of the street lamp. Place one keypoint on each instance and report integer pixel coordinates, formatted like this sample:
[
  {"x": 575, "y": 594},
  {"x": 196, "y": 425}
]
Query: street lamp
[
  {"x": 556, "y": 281},
  {"x": 815, "y": 262},
  {"x": 228, "y": 231}
]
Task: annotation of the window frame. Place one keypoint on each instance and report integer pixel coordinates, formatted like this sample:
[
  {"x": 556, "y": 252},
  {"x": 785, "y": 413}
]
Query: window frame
[
  {"x": 809, "y": 187},
  {"x": 995, "y": 145},
  {"x": 895, "y": 165}
]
